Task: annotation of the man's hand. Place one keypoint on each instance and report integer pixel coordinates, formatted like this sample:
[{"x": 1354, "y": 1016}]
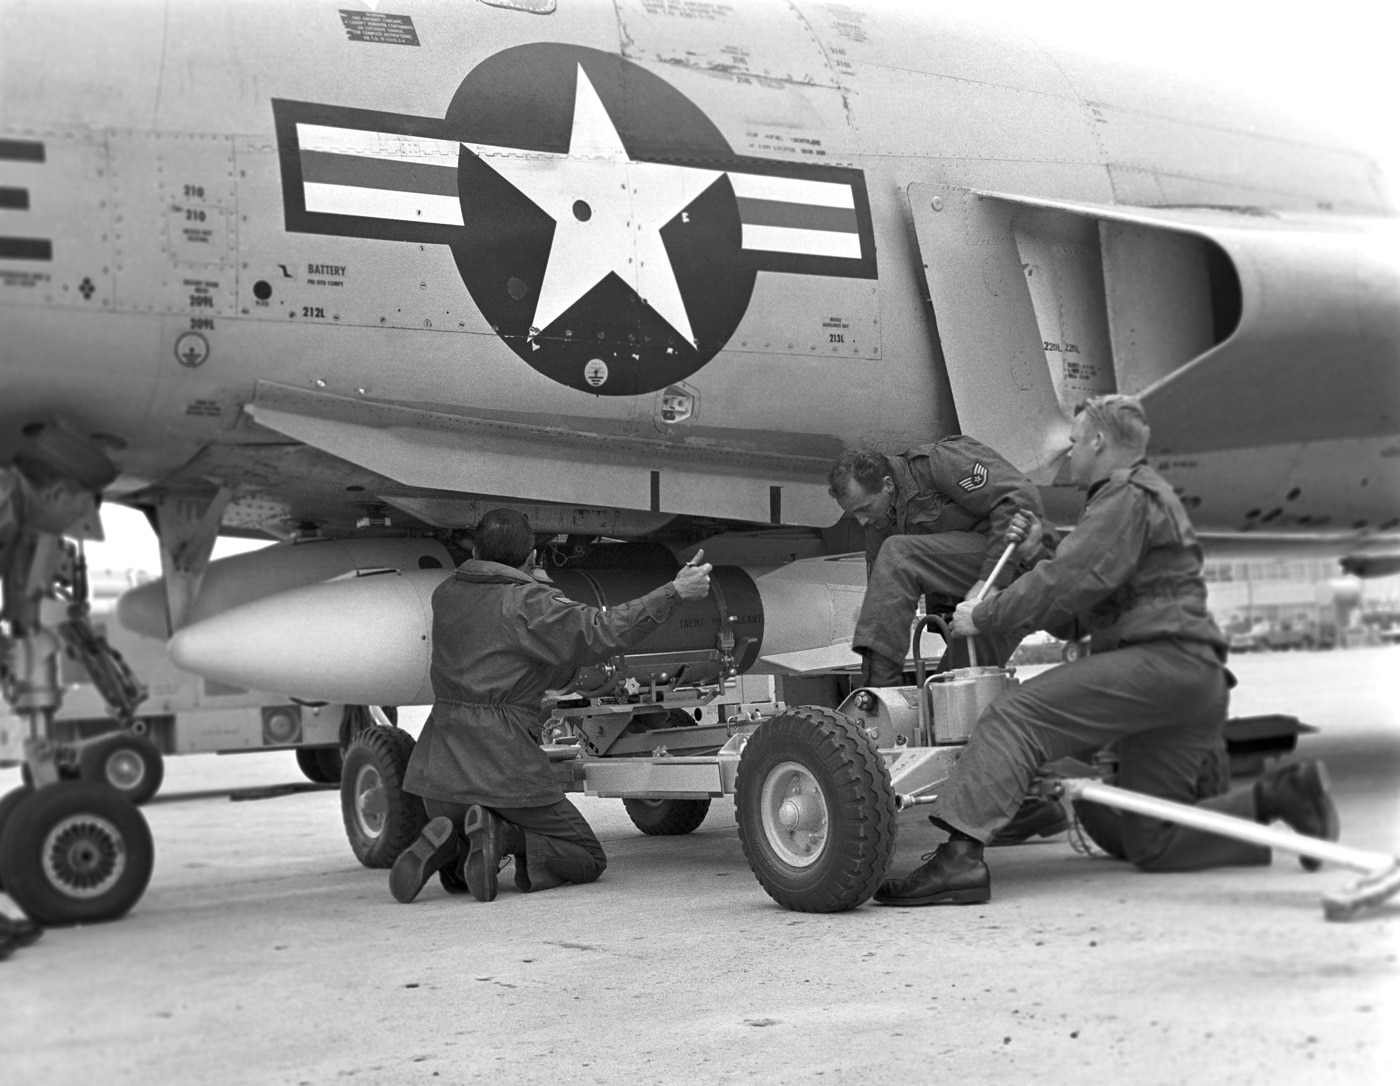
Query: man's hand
[
  {"x": 1027, "y": 531},
  {"x": 977, "y": 588},
  {"x": 693, "y": 581},
  {"x": 963, "y": 626}
]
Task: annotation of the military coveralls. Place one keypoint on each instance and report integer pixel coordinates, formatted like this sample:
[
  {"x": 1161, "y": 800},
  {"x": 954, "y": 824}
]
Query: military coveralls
[
  {"x": 500, "y": 640},
  {"x": 1129, "y": 575},
  {"x": 953, "y": 503}
]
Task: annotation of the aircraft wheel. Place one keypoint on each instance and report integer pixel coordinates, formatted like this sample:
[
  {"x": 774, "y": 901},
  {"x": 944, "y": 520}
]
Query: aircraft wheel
[
  {"x": 130, "y": 764},
  {"x": 667, "y": 817},
  {"x": 816, "y": 811},
  {"x": 76, "y": 852},
  {"x": 321, "y": 765},
  {"x": 381, "y": 819},
  {"x": 8, "y": 802}
]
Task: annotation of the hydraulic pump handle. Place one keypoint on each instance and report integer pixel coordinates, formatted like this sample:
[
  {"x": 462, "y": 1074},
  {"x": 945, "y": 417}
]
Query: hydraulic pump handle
[{"x": 991, "y": 580}]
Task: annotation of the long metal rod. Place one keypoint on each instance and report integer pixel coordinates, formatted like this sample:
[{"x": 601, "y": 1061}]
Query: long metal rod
[
  {"x": 991, "y": 580},
  {"x": 1228, "y": 826}
]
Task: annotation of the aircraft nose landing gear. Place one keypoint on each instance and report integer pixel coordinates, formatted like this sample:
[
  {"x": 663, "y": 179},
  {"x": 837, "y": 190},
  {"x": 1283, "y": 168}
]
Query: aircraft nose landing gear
[
  {"x": 70, "y": 851},
  {"x": 75, "y": 852}
]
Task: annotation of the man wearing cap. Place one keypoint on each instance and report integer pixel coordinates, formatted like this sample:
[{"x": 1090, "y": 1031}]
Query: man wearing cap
[{"x": 501, "y": 638}]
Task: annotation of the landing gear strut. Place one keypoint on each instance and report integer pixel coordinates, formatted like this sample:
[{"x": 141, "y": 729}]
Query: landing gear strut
[{"x": 70, "y": 851}]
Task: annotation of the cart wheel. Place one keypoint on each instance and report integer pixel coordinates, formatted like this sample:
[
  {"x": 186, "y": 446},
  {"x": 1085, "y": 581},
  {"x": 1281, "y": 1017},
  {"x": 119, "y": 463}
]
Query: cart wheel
[
  {"x": 76, "y": 852},
  {"x": 381, "y": 819},
  {"x": 667, "y": 817},
  {"x": 8, "y": 802},
  {"x": 816, "y": 810},
  {"x": 320, "y": 765},
  {"x": 130, "y": 764}
]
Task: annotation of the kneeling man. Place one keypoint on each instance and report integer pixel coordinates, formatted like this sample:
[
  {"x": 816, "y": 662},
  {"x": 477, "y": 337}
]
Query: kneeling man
[
  {"x": 1129, "y": 575},
  {"x": 501, "y": 638}
]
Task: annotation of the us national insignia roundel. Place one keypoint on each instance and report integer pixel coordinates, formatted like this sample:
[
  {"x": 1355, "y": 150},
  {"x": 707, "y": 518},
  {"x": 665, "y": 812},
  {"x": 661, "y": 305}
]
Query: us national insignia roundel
[{"x": 598, "y": 218}]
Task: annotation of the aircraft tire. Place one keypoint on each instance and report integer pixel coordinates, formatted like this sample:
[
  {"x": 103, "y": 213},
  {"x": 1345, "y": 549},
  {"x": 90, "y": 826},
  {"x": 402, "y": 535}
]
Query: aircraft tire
[
  {"x": 667, "y": 817},
  {"x": 332, "y": 761},
  {"x": 381, "y": 819},
  {"x": 321, "y": 765},
  {"x": 130, "y": 764},
  {"x": 76, "y": 852},
  {"x": 8, "y": 802},
  {"x": 816, "y": 810}
]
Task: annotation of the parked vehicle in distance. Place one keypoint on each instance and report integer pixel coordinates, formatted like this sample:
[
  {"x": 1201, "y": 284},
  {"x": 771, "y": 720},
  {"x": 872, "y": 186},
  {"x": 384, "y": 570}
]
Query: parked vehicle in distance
[{"x": 1276, "y": 637}]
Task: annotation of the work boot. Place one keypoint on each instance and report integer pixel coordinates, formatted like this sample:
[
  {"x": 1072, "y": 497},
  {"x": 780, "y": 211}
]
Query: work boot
[
  {"x": 1037, "y": 817},
  {"x": 489, "y": 837},
  {"x": 953, "y": 874},
  {"x": 451, "y": 876},
  {"x": 1297, "y": 795},
  {"x": 20, "y": 932},
  {"x": 436, "y": 845},
  {"x": 877, "y": 670}
]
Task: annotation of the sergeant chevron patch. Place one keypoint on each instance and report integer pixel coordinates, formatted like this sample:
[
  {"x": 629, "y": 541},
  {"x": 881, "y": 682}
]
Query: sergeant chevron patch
[{"x": 975, "y": 481}]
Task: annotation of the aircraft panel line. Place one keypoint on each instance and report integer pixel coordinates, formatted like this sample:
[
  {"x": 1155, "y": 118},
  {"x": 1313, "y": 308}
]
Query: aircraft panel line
[{"x": 365, "y": 143}]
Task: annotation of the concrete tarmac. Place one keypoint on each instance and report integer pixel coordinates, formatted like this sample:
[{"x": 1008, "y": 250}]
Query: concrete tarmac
[{"x": 263, "y": 953}]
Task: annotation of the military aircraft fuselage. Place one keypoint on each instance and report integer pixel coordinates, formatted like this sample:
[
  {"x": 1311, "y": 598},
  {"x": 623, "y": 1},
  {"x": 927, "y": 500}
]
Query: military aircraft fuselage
[{"x": 656, "y": 260}]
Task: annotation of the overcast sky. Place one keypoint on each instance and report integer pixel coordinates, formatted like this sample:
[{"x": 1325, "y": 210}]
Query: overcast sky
[{"x": 1331, "y": 64}]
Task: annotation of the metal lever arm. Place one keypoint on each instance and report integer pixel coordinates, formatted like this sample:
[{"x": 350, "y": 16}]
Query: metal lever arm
[{"x": 991, "y": 580}]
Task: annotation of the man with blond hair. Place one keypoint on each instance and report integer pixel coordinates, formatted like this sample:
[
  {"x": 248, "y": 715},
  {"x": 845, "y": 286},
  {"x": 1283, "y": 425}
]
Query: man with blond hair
[{"x": 1154, "y": 684}]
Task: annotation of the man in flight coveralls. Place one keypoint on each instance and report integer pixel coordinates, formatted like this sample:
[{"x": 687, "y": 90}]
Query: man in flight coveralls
[
  {"x": 1154, "y": 684},
  {"x": 935, "y": 520},
  {"x": 501, "y": 638}
]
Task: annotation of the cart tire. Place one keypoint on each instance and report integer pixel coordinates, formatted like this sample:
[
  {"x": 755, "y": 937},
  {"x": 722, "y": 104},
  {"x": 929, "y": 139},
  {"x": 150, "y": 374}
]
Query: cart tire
[
  {"x": 129, "y": 764},
  {"x": 76, "y": 852},
  {"x": 816, "y": 810},
  {"x": 321, "y": 765},
  {"x": 8, "y": 802},
  {"x": 381, "y": 819},
  {"x": 667, "y": 817}
]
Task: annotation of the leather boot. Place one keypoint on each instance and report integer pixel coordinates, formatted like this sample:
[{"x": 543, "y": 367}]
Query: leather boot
[
  {"x": 953, "y": 874},
  {"x": 489, "y": 837},
  {"x": 877, "y": 670},
  {"x": 1297, "y": 795},
  {"x": 436, "y": 846},
  {"x": 451, "y": 875},
  {"x": 1037, "y": 817},
  {"x": 21, "y": 932}
]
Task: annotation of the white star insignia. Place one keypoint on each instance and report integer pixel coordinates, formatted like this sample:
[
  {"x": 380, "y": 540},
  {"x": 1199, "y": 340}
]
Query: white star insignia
[{"x": 608, "y": 213}]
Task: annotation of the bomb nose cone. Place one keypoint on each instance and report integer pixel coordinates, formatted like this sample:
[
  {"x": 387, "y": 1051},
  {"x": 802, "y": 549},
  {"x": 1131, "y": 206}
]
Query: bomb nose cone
[
  {"x": 360, "y": 640},
  {"x": 242, "y": 578}
]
